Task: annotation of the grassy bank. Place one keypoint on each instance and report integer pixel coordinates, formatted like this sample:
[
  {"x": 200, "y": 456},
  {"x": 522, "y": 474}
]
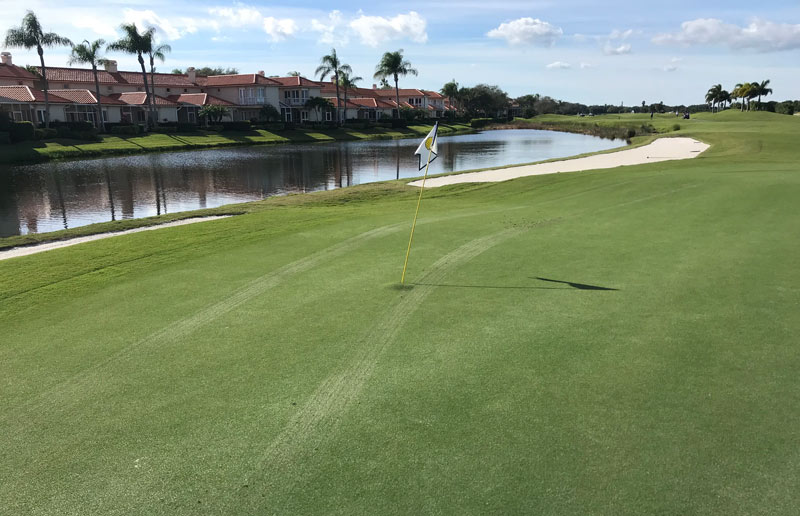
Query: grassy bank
[
  {"x": 612, "y": 342},
  {"x": 33, "y": 152}
]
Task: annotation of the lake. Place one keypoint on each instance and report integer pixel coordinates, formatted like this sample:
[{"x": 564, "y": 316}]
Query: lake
[{"x": 52, "y": 196}]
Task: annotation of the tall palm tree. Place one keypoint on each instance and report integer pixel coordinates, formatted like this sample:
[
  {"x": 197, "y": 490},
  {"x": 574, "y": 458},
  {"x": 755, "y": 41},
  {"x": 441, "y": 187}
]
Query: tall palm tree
[
  {"x": 89, "y": 53},
  {"x": 744, "y": 91},
  {"x": 394, "y": 65},
  {"x": 156, "y": 52},
  {"x": 712, "y": 95},
  {"x": 30, "y": 35},
  {"x": 450, "y": 90},
  {"x": 762, "y": 88},
  {"x": 347, "y": 82},
  {"x": 138, "y": 44},
  {"x": 724, "y": 97},
  {"x": 331, "y": 65}
]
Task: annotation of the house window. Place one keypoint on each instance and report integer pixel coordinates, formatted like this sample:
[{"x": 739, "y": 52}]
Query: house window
[
  {"x": 304, "y": 116},
  {"x": 40, "y": 115},
  {"x": 105, "y": 115},
  {"x": 191, "y": 116},
  {"x": 287, "y": 114},
  {"x": 168, "y": 89},
  {"x": 140, "y": 115},
  {"x": 186, "y": 90},
  {"x": 329, "y": 116},
  {"x": 110, "y": 88}
]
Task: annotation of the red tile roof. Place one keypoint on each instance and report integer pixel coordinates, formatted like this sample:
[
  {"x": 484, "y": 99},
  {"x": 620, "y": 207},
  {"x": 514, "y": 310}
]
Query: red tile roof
[
  {"x": 86, "y": 75},
  {"x": 28, "y": 94},
  {"x": 137, "y": 98},
  {"x": 403, "y": 93},
  {"x": 77, "y": 96},
  {"x": 432, "y": 94},
  {"x": 237, "y": 80},
  {"x": 199, "y": 99},
  {"x": 297, "y": 81},
  {"x": 15, "y": 72}
]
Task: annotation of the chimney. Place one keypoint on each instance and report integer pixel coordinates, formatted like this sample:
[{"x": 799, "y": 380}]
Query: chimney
[
  {"x": 261, "y": 73},
  {"x": 191, "y": 74},
  {"x": 5, "y": 58},
  {"x": 111, "y": 66},
  {"x": 374, "y": 86}
]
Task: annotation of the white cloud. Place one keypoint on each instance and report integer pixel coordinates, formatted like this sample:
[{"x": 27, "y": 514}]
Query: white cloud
[
  {"x": 610, "y": 50},
  {"x": 241, "y": 16},
  {"x": 375, "y": 30},
  {"x": 617, "y": 34},
  {"x": 586, "y": 65},
  {"x": 558, "y": 65},
  {"x": 670, "y": 68},
  {"x": 169, "y": 29},
  {"x": 759, "y": 35},
  {"x": 527, "y": 31},
  {"x": 279, "y": 29},
  {"x": 333, "y": 32}
]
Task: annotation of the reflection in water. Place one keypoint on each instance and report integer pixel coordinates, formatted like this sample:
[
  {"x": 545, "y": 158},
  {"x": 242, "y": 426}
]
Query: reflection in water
[{"x": 52, "y": 196}]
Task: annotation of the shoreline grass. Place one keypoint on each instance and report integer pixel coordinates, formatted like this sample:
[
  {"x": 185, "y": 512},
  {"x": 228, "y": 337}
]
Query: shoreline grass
[{"x": 111, "y": 145}]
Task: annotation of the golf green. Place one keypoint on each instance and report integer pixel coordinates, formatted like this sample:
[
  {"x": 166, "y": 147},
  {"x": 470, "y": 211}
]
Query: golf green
[{"x": 621, "y": 341}]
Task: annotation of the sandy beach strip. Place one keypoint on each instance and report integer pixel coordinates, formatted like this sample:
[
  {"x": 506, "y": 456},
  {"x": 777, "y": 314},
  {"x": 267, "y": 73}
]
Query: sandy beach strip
[
  {"x": 663, "y": 149},
  {"x": 15, "y": 252}
]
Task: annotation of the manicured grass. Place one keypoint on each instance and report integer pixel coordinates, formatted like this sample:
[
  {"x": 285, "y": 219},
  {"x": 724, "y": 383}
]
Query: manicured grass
[
  {"x": 269, "y": 364},
  {"x": 28, "y": 152}
]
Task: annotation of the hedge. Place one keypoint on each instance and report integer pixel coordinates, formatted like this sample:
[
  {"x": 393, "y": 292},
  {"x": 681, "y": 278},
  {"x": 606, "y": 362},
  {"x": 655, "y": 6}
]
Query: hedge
[
  {"x": 45, "y": 134},
  {"x": 126, "y": 129},
  {"x": 5, "y": 138},
  {"x": 21, "y": 131},
  {"x": 241, "y": 125},
  {"x": 477, "y": 123}
]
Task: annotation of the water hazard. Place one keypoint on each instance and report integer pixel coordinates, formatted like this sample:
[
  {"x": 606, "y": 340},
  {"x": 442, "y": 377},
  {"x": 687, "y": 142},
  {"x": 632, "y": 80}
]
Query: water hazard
[{"x": 52, "y": 196}]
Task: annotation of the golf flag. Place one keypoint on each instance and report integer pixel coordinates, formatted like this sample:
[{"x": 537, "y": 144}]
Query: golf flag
[
  {"x": 430, "y": 145},
  {"x": 430, "y": 149}
]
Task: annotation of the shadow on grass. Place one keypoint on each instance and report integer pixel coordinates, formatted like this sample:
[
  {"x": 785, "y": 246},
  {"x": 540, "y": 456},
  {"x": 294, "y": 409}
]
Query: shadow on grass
[{"x": 579, "y": 286}]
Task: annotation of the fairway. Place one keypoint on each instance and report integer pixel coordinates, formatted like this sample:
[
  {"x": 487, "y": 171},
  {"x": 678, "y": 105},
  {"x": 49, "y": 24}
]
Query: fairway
[{"x": 619, "y": 341}]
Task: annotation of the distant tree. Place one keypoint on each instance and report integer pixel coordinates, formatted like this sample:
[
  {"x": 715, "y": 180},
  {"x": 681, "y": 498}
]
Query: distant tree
[
  {"x": 643, "y": 106},
  {"x": 268, "y": 112},
  {"x": 384, "y": 84},
  {"x": 724, "y": 97},
  {"x": 713, "y": 94},
  {"x": 293, "y": 74},
  {"x": 214, "y": 112},
  {"x": 138, "y": 44},
  {"x": 484, "y": 100},
  {"x": 527, "y": 103},
  {"x": 331, "y": 65},
  {"x": 318, "y": 104},
  {"x": 207, "y": 71},
  {"x": 89, "y": 53},
  {"x": 394, "y": 65},
  {"x": 30, "y": 35},
  {"x": 450, "y": 90},
  {"x": 761, "y": 88},
  {"x": 348, "y": 83}
]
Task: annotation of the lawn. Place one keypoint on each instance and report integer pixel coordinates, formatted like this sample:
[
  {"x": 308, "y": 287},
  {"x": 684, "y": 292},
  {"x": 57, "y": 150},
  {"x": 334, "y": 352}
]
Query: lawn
[
  {"x": 613, "y": 342},
  {"x": 27, "y": 152}
]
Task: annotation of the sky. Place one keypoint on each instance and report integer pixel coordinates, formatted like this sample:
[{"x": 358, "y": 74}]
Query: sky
[{"x": 585, "y": 51}]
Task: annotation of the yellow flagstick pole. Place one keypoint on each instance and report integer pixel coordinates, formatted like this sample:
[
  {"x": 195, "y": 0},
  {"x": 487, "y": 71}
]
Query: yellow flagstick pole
[{"x": 414, "y": 224}]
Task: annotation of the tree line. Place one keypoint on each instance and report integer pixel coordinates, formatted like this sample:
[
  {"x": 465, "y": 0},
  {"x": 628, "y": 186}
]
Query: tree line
[{"x": 717, "y": 97}]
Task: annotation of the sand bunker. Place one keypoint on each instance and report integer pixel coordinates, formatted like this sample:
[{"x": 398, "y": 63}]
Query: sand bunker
[
  {"x": 38, "y": 248},
  {"x": 663, "y": 149}
]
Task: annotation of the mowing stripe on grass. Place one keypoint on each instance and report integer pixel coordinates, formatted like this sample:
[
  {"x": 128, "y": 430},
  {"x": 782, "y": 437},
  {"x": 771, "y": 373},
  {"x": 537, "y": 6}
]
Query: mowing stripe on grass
[{"x": 283, "y": 459}]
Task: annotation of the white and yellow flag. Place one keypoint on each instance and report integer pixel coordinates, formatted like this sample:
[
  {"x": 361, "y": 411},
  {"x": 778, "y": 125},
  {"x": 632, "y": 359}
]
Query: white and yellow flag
[{"x": 428, "y": 147}]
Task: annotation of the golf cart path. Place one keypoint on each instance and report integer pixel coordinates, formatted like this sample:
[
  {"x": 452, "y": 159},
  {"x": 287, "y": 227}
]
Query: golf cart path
[
  {"x": 663, "y": 149},
  {"x": 15, "y": 252}
]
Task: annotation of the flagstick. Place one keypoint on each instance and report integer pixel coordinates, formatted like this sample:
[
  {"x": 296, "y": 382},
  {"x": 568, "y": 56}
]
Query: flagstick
[{"x": 414, "y": 224}]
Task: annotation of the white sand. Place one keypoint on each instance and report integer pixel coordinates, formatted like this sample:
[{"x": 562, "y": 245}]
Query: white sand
[
  {"x": 47, "y": 246},
  {"x": 663, "y": 149}
]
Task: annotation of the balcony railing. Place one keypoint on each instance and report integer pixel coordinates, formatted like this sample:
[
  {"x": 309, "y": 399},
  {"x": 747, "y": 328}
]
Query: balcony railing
[
  {"x": 295, "y": 102},
  {"x": 252, "y": 101}
]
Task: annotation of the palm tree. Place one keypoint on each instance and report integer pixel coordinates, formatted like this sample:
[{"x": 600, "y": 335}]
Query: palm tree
[
  {"x": 744, "y": 91},
  {"x": 450, "y": 90},
  {"x": 724, "y": 97},
  {"x": 137, "y": 43},
  {"x": 159, "y": 52},
  {"x": 761, "y": 89},
  {"x": 712, "y": 96},
  {"x": 89, "y": 53},
  {"x": 30, "y": 35},
  {"x": 318, "y": 104},
  {"x": 330, "y": 65},
  {"x": 394, "y": 65},
  {"x": 348, "y": 82}
]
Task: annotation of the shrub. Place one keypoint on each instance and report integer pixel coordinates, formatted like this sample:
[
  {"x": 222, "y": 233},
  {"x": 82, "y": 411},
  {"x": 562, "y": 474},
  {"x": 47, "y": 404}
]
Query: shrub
[
  {"x": 630, "y": 134},
  {"x": 165, "y": 129},
  {"x": 241, "y": 125},
  {"x": 21, "y": 131},
  {"x": 399, "y": 123},
  {"x": 126, "y": 129},
  {"x": 185, "y": 127},
  {"x": 676, "y": 127},
  {"x": 5, "y": 138},
  {"x": 477, "y": 123},
  {"x": 5, "y": 122},
  {"x": 80, "y": 125},
  {"x": 216, "y": 128},
  {"x": 274, "y": 126}
]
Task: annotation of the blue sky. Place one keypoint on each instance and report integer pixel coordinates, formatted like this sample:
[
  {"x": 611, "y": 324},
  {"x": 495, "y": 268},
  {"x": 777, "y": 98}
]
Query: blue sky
[{"x": 586, "y": 51}]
